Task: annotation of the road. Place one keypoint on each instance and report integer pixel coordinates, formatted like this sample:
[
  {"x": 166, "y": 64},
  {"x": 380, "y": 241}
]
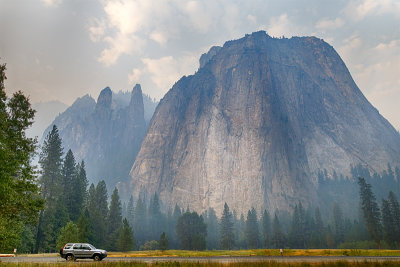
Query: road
[{"x": 228, "y": 259}]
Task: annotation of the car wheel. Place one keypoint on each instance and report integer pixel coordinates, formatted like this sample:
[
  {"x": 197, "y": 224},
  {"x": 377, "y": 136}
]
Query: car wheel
[
  {"x": 70, "y": 257},
  {"x": 97, "y": 258}
]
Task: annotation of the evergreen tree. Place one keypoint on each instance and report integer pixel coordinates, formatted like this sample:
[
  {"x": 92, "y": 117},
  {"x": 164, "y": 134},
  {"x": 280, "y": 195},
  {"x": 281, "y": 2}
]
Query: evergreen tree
[
  {"x": 140, "y": 222},
  {"x": 155, "y": 218},
  {"x": 266, "y": 229},
  {"x": 191, "y": 231},
  {"x": 388, "y": 226},
  {"x": 213, "y": 229},
  {"x": 84, "y": 227},
  {"x": 69, "y": 174},
  {"x": 395, "y": 211},
  {"x": 98, "y": 214},
  {"x": 370, "y": 210},
  {"x": 242, "y": 241},
  {"x": 338, "y": 224},
  {"x": 125, "y": 237},
  {"x": 173, "y": 238},
  {"x": 114, "y": 220},
  {"x": 252, "y": 231},
  {"x": 297, "y": 237},
  {"x": 163, "y": 243},
  {"x": 51, "y": 182},
  {"x": 317, "y": 235},
  {"x": 130, "y": 212},
  {"x": 226, "y": 229},
  {"x": 278, "y": 237},
  {"x": 79, "y": 194}
]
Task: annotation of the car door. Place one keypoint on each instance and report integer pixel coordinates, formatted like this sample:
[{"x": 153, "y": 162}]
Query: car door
[
  {"x": 86, "y": 251},
  {"x": 77, "y": 250}
]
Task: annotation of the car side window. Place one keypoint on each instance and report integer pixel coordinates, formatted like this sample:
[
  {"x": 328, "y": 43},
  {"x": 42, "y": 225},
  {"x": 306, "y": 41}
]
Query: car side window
[
  {"x": 85, "y": 248},
  {"x": 77, "y": 247}
]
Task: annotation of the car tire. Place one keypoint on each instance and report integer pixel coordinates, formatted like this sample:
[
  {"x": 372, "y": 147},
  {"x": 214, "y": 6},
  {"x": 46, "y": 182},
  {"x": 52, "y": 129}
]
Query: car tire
[
  {"x": 97, "y": 257},
  {"x": 70, "y": 257}
]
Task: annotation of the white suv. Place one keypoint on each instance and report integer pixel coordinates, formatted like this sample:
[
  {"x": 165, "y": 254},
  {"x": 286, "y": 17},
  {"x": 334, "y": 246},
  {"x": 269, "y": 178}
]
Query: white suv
[{"x": 73, "y": 251}]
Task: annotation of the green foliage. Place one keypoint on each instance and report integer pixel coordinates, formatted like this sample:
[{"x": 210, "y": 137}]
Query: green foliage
[
  {"x": 213, "y": 229},
  {"x": 370, "y": 210},
  {"x": 125, "y": 237},
  {"x": 84, "y": 227},
  {"x": 191, "y": 231},
  {"x": 150, "y": 245},
  {"x": 140, "y": 221},
  {"x": 68, "y": 234},
  {"x": 338, "y": 223},
  {"x": 163, "y": 243},
  {"x": 266, "y": 229},
  {"x": 19, "y": 192},
  {"x": 278, "y": 237},
  {"x": 156, "y": 220},
  {"x": 226, "y": 229},
  {"x": 252, "y": 232},
  {"x": 114, "y": 220}
]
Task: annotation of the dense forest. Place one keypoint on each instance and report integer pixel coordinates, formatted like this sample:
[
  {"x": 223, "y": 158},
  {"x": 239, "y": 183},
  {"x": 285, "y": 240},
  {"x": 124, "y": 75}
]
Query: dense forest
[{"x": 40, "y": 212}]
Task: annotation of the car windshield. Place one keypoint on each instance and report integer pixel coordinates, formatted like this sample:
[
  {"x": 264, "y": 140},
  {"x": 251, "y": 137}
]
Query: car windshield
[{"x": 92, "y": 247}]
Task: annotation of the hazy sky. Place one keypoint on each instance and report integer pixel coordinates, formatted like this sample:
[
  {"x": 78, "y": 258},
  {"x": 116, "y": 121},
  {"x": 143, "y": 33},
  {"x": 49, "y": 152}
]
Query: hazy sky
[{"x": 63, "y": 49}]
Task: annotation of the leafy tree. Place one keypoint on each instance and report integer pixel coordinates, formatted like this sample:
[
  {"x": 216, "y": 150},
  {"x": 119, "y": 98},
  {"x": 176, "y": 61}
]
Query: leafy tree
[
  {"x": 266, "y": 229},
  {"x": 163, "y": 243},
  {"x": 114, "y": 220},
  {"x": 252, "y": 233},
  {"x": 69, "y": 234},
  {"x": 125, "y": 237},
  {"x": 19, "y": 192},
  {"x": 370, "y": 210},
  {"x": 191, "y": 231},
  {"x": 226, "y": 229}
]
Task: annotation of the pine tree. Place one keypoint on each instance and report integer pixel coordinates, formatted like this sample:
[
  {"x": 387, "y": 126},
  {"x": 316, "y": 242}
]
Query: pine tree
[
  {"x": 191, "y": 231},
  {"x": 98, "y": 214},
  {"x": 155, "y": 218},
  {"x": 19, "y": 192},
  {"x": 140, "y": 222},
  {"x": 163, "y": 243},
  {"x": 388, "y": 225},
  {"x": 79, "y": 194},
  {"x": 125, "y": 237},
  {"x": 130, "y": 212},
  {"x": 370, "y": 210},
  {"x": 338, "y": 224},
  {"x": 83, "y": 224},
  {"x": 114, "y": 220},
  {"x": 213, "y": 229},
  {"x": 266, "y": 229},
  {"x": 226, "y": 229},
  {"x": 278, "y": 237},
  {"x": 51, "y": 182},
  {"x": 252, "y": 231},
  {"x": 69, "y": 174},
  {"x": 395, "y": 211},
  {"x": 173, "y": 238}
]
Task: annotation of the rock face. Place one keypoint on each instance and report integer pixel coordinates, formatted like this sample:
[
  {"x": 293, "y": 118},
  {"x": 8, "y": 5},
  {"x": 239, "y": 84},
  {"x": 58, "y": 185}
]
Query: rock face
[
  {"x": 107, "y": 135},
  {"x": 256, "y": 123}
]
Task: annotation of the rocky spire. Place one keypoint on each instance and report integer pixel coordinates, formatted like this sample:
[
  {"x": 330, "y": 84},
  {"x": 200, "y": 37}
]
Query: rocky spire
[
  {"x": 103, "y": 106},
  {"x": 136, "y": 107}
]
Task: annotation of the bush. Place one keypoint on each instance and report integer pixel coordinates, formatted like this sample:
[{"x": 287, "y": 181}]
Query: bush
[{"x": 149, "y": 245}]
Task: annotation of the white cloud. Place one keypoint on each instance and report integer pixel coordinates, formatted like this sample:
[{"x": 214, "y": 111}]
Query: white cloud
[
  {"x": 158, "y": 37},
  {"x": 165, "y": 71},
  {"x": 327, "y": 24},
  {"x": 97, "y": 29},
  {"x": 51, "y": 3},
  {"x": 135, "y": 76},
  {"x": 359, "y": 9}
]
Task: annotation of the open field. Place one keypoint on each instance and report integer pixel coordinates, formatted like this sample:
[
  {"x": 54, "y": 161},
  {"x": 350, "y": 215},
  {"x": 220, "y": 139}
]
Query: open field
[
  {"x": 342, "y": 263},
  {"x": 248, "y": 252}
]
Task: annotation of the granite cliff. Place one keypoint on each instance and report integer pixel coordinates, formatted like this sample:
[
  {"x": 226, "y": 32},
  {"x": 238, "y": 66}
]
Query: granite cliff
[
  {"x": 107, "y": 134},
  {"x": 255, "y": 125}
]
